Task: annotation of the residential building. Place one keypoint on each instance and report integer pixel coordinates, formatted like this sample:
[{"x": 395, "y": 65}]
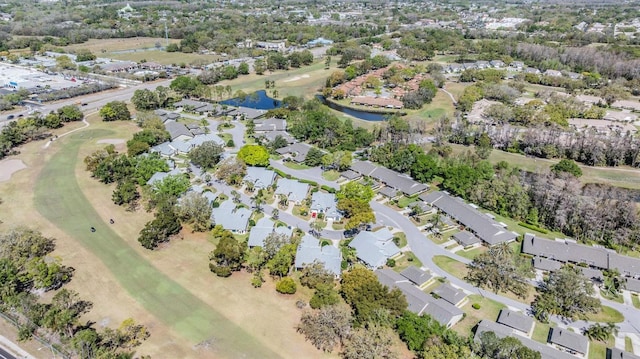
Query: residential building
[
  {"x": 455, "y": 296},
  {"x": 517, "y": 321},
  {"x": 260, "y": 177},
  {"x": 295, "y": 191},
  {"x": 263, "y": 228},
  {"x": 615, "y": 353},
  {"x": 270, "y": 124},
  {"x": 502, "y": 331},
  {"x": 375, "y": 248},
  {"x": 159, "y": 176},
  {"x": 311, "y": 250},
  {"x": 420, "y": 302},
  {"x": 399, "y": 182},
  {"x": 177, "y": 131},
  {"x": 488, "y": 230},
  {"x": 296, "y": 152},
  {"x": 420, "y": 278},
  {"x": 467, "y": 239},
  {"x": 325, "y": 203},
  {"x": 231, "y": 217},
  {"x": 569, "y": 341}
]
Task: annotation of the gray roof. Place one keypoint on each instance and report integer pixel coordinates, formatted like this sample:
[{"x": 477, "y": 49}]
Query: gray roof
[
  {"x": 210, "y": 196},
  {"x": 501, "y": 331},
  {"x": 545, "y": 264},
  {"x": 466, "y": 238},
  {"x": 310, "y": 251},
  {"x": 197, "y": 140},
  {"x": 263, "y": 228},
  {"x": 388, "y": 192},
  {"x": 515, "y": 320},
  {"x": 615, "y": 353},
  {"x": 350, "y": 175},
  {"x": 198, "y": 106},
  {"x": 298, "y": 151},
  {"x": 260, "y": 176},
  {"x": 164, "y": 149},
  {"x": 294, "y": 190},
  {"x": 159, "y": 176},
  {"x": 450, "y": 294},
  {"x": 231, "y": 218},
  {"x": 423, "y": 206},
  {"x": 272, "y": 135},
  {"x": 177, "y": 129},
  {"x": 181, "y": 146},
  {"x": 374, "y": 248},
  {"x": 484, "y": 227},
  {"x": 249, "y": 113},
  {"x": 569, "y": 251},
  {"x": 592, "y": 274},
  {"x": 270, "y": 124},
  {"x": 416, "y": 275},
  {"x": 325, "y": 203},
  {"x": 633, "y": 285},
  {"x": 569, "y": 340},
  {"x": 419, "y": 302},
  {"x": 399, "y": 181}
]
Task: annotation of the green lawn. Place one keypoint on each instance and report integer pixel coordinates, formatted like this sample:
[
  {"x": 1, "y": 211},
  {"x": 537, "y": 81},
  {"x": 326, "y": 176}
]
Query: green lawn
[
  {"x": 599, "y": 349},
  {"x": 402, "y": 239},
  {"x": 541, "y": 332},
  {"x": 296, "y": 166},
  {"x": 472, "y": 253},
  {"x": 636, "y": 300},
  {"x": 69, "y": 209},
  {"x": 404, "y": 201},
  {"x": 489, "y": 309},
  {"x": 451, "y": 266},
  {"x": 606, "y": 315},
  {"x": 628, "y": 344},
  {"x": 331, "y": 175},
  {"x": 408, "y": 259},
  {"x": 618, "y": 298}
]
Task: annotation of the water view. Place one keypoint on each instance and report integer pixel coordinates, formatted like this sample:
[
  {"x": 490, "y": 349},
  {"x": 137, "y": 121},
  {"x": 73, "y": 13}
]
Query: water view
[
  {"x": 363, "y": 115},
  {"x": 258, "y": 100}
]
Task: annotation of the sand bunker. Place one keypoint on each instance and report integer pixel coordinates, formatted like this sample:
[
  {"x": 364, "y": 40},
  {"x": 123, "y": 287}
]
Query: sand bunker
[
  {"x": 305, "y": 76},
  {"x": 112, "y": 141},
  {"x": 9, "y": 167}
]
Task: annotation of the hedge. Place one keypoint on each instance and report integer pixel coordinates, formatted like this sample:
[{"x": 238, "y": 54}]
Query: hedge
[
  {"x": 328, "y": 189},
  {"x": 533, "y": 227}
]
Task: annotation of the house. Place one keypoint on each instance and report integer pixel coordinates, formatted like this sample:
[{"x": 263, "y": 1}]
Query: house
[
  {"x": 516, "y": 65},
  {"x": 399, "y": 182},
  {"x": 632, "y": 285},
  {"x": 177, "y": 131},
  {"x": 615, "y": 353},
  {"x": 517, "y": 321},
  {"x": 296, "y": 152},
  {"x": 553, "y": 73},
  {"x": 390, "y": 193},
  {"x": 467, "y": 239},
  {"x": 532, "y": 70},
  {"x": 210, "y": 196},
  {"x": 569, "y": 341},
  {"x": 263, "y": 228},
  {"x": 167, "y": 116},
  {"x": 454, "y": 68},
  {"x": 295, "y": 191},
  {"x": 419, "y": 301},
  {"x": 311, "y": 250},
  {"x": 247, "y": 113},
  {"x": 482, "y": 64},
  {"x": 164, "y": 149},
  {"x": 230, "y": 217},
  {"x": 502, "y": 331},
  {"x": 590, "y": 100},
  {"x": 325, "y": 203},
  {"x": 270, "y": 124},
  {"x": 622, "y": 116},
  {"x": 547, "y": 265},
  {"x": 451, "y": 294},
  {"x": 497, "y": 64},
  {"x": 627, "y": 266},
  {"x": 266, "y": 137},
  {"x": 488, "y": 230},
  {"x": 260, "y": 177},
  {"x": 418, "y": 277},
  {"x": 627, "y": 104},
  {"x": 375, "y": 248},
  {"x": 350, "y": 175},
  {"x": 321, "y": 41},
  {"x": 159, "y": 176},
  {"x": 181, "y": 147},
  {"x": 424, "y": 208},
  {"x": 197, "y": 140}
]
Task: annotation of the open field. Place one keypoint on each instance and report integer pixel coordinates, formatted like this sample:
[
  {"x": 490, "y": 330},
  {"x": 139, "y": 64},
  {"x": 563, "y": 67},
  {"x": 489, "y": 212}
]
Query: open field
[
  {"x": 163, "y": 57},
  {"x": 261, "y": 317},
  {"x": 489, "y": 309},
  {"x": 99, "y": 46},
  {"x": 606, "y": 315}
]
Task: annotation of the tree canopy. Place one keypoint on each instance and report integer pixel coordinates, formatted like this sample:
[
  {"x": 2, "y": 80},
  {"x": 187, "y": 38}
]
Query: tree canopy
[{"x": 254, "y": 155}]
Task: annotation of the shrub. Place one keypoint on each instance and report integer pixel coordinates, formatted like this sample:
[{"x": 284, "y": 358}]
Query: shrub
[
  {"x": 533, "y": 227},
  {"x": 257, "y": 280},
  {"x": 286, "y": 285},
  {"x": 328, "y": 189},
  {"x": 230, "y": 143},
  {"x": 252, "y": 223},
  {"x": 220, "y": 271},
  {"x": 475, "y": 306},
  {"x": 391, "y": 262}
]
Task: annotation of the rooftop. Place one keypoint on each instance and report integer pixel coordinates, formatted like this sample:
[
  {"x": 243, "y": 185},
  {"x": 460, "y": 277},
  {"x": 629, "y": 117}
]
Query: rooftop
[
  {"x": 374, "y": 248},
  {"x": 515, "y": 320}
]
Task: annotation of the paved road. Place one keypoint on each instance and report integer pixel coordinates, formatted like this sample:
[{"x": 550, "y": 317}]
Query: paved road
[
  {"x": 5, "y": 354},
  {"x": 425, "y": 250}
]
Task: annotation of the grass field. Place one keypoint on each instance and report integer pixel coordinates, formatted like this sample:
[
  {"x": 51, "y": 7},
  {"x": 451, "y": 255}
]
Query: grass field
[
  {"x": 163, "y": 57},
  {"x": 606, "y": 315},
  {"x": 636, "y": 300},
  {"x": 489, "y": 309},
  {"x": 98, "y": 46},
  {"x": 541, "y": 332},
  {"x": 68, "y": 208}
]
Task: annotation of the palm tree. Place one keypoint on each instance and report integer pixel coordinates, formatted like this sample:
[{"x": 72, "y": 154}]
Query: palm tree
[
  {"x": 317, "y": 227},
  {"x": 275, "y": 213},
  {"x": 250, "y": 186},
  {"x": 613, "y": 283},
  {"x": 283, "y": 200}
]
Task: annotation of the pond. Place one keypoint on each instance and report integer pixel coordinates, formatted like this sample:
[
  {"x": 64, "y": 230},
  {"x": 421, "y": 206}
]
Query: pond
[
  {"x": 258, "y": 100},
  {"x": 363, "y": 115}
]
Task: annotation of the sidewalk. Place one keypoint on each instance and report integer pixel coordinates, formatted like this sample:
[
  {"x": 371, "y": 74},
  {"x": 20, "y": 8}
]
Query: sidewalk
[{"x": 14, "y": 349}]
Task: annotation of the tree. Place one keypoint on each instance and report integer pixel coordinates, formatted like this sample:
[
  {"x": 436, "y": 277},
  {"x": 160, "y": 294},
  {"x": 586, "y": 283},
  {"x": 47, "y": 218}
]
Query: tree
[
  {"x": 63, "y": 62},
  {"x": 503, "y": 348},
  {"x": 327, "y": 327},
  {"x": 365, "y": 294},
  {"x": 613, "y": 282},
  {"x": 274, "y": 242},
  {"x": 243, "y": 68},
  {"x": 355, "y": 191},
  {"x": 499, "y": 270},
  {"x": 171, "y": 186},
  {"x": 483, "y": 146},
  {"x": 186, "y": 85},
  {"x": 232, "y": 170},
  {"x": 567, "y": 166},
  {"x": 259, "y": 66},
  {"x": 567, "y": 293},
  {"x": 315, "y": 274},
  {"x": 254, "y": 155},
  {"x": 144, "y": 100},
  {"x": 195, "y": 210},
  {"x": 207, "y": 155},
  {"x": 70, "y": 113},
  {"x": 314, "y": 157},
  {"x": 416, "y": 330},
  {"x": 228, "y": 255},
  {"x": 115, "y": 111},
  {"x": 374, "y": 342},
  {"x": 126, "y": 192},
  {"x": 281, "y": 263},
  {"x": 286, "y": 285},
  {"x": 325, "y": 295},
  {"x": 85, "y": 55},
  {"x": 161, "y": 228},
  {"x": 601, "y": 332}
]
